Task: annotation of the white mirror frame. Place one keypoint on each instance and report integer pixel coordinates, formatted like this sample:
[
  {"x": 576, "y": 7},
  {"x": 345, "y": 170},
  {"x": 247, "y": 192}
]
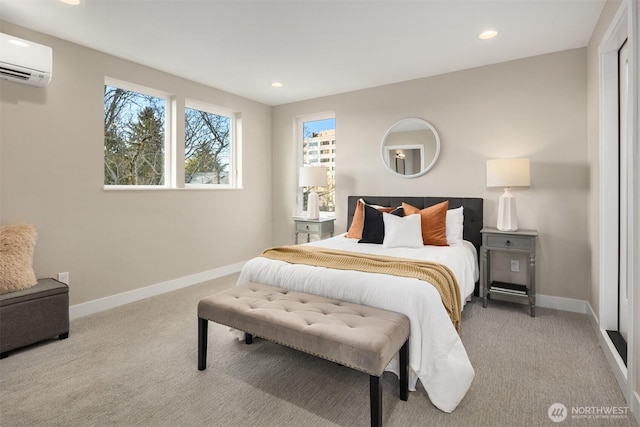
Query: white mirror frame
[{"x": 416, "y": 124}]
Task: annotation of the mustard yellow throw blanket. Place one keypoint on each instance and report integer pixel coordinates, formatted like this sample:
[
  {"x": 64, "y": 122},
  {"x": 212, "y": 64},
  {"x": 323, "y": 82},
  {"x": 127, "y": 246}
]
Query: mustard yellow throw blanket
[{"x": 437, "y": 274}]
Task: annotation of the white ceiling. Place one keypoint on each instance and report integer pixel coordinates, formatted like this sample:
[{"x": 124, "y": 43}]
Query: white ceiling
[{"x": 314, "y": 47}]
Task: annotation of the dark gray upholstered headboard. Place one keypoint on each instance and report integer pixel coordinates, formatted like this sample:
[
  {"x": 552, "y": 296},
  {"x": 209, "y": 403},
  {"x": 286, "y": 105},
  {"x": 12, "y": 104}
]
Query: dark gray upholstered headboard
[{"x": 473, "y": 217}]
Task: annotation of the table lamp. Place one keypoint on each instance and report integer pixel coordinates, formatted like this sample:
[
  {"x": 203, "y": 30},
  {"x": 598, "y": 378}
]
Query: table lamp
[
  {"x": 312, "y": 177},
  {"x": 508, "y": 173}
]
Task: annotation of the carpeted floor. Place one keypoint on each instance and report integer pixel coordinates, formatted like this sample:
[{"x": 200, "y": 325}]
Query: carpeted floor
[{"x": 136, "y": 365}]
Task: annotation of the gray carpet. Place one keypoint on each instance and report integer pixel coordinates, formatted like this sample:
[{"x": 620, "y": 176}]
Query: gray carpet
[{"x": 137, "y": 365}]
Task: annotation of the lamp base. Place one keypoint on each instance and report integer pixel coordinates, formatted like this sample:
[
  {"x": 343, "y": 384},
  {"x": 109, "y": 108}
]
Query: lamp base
[
  {"x": 507, "y": 215},
  {"x": 313, "y": 208}
]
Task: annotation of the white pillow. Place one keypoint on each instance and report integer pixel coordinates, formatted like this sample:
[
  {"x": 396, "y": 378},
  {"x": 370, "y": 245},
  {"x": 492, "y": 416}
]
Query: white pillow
[
  {"x": 455, "y": 221},
  {"x": 402, "y": 231}
]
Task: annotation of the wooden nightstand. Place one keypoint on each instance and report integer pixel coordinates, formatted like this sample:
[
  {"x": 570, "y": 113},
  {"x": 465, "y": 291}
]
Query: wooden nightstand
[
  {"x": 320, "y": 226},
  {"x": 521, "y": 241}
]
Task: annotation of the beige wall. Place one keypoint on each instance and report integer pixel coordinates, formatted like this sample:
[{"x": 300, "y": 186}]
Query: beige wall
[
  {"x": 534, "y": 107},
  {"x": 51, "y": 171}
]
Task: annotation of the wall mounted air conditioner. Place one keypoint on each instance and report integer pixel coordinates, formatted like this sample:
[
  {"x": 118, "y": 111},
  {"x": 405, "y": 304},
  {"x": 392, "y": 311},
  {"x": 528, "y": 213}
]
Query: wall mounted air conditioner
[{"x": 23, "y": 61}]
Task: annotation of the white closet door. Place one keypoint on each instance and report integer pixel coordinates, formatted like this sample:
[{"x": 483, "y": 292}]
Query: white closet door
[{"x": 624, "y": 153}]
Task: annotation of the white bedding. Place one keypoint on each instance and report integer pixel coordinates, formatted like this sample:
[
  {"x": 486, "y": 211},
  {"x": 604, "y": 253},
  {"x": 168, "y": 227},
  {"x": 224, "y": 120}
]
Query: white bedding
[{"x": 436, "y": 354}]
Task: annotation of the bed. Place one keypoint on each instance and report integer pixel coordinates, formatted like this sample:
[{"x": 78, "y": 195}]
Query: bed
[{"x": 437, "y": 356}]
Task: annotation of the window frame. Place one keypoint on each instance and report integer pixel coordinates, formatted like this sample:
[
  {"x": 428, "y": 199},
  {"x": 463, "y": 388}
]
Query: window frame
[
  {"x": 299, "y": 140},
  {"x": 234, "y": 177},
  {"x": 174, "y": 144},
  {"x": 168, "y": 133}
]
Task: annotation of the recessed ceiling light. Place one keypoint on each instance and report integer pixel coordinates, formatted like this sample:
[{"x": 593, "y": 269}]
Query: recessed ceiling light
[
  {"x": 489, "y": 34},
  {"x": 71, "y": 2},
  {"x": 276, "y": 84}
]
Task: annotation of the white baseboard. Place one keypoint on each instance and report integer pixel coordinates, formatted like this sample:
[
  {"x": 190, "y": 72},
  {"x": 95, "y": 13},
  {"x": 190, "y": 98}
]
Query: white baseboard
[
  {"x": 615, "y": 362},
  {"x": 560, "y": 303},
  {"x": 112, "y": 301},
  {"x": 613, "y": 358},
  {"x": 102, "y": 304},
  {"x": 593, "y": 318}
]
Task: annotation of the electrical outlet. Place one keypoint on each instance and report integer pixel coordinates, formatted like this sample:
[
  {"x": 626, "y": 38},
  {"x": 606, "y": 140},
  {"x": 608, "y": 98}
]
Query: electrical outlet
[
  {"x": 64, "y": 277},
  {"x": 515, "y": 265}
]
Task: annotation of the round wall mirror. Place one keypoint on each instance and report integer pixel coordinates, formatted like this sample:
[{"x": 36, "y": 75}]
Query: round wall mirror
[{"x": 410, "y": 147}]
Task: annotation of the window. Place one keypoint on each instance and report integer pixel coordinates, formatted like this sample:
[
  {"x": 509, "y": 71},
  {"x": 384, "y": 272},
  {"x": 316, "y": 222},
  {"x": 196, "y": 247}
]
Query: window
[
  {"x": 319, "y": 131},
  {"x": 208, "y": 148},
  {"x": 141, "y": 149},
  {"x": 134, "y": 137}
]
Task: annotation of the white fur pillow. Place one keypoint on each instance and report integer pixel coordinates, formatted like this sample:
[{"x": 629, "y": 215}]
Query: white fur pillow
[{"x": 16, "y": 257}]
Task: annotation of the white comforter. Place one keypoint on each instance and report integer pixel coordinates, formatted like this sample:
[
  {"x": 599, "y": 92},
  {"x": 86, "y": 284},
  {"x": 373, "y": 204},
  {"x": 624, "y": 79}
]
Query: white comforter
[{"x": 436, "y": 354}]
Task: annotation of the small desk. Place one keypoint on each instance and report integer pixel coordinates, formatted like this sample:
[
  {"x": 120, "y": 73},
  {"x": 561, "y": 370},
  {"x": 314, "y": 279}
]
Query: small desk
[
  {"x": 313, "y": 226},
  {"x": 521, "y": 241}
]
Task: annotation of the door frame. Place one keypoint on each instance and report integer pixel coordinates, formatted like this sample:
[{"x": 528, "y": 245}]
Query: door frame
[{"x": 624, "y": 25}]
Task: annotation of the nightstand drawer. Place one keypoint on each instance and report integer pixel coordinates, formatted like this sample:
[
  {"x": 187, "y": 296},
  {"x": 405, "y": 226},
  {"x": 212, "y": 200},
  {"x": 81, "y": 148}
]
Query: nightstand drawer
[
  {"x": 319, "y": 227},
  {"x": 509, "y": 242},
  {"x": 303, "y": 227}
]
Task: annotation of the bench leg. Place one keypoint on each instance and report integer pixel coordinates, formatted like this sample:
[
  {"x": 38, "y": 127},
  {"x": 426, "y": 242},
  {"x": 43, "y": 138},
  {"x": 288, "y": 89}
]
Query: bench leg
[
  {"x": 203, "y": 335},
  {"x": 248, "y": 338},
  {"x": 404, "y": 367},
  {"x": 375, "y": 398},
  {"x": 63, "y": 336}
]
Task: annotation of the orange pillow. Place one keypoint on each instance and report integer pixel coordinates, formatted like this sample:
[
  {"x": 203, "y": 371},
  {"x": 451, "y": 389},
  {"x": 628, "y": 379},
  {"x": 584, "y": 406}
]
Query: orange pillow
[
  {"x": 355, "y": 231},
  {"x": 434, "y": 222}
]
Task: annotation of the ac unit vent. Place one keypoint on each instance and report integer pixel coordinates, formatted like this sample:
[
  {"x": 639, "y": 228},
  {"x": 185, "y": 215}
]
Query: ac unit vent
[{"x": 16, "y": 74}]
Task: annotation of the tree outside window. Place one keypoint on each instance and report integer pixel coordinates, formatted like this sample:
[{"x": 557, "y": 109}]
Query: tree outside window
[
  {"x": 134, "y": 138},
  {"x": 207, "y": 147},
  {"x": 140, "y": 142}
]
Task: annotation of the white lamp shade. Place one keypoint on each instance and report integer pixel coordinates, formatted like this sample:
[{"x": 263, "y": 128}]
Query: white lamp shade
[
  {"x": 508, "y": 173},
  {"x": 313, "y": 177}
]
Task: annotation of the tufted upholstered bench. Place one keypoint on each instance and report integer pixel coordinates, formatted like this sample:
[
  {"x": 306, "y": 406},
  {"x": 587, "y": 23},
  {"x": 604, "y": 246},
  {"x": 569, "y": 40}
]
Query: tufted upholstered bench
[{"x": 357, "y": 336}]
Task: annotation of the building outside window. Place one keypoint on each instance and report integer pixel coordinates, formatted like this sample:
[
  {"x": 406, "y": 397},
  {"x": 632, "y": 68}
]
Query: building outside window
[{"x": 320, "y": 133}]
